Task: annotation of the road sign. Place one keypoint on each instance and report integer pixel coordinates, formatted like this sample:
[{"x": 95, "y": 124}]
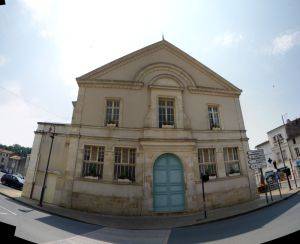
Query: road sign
[{"x": 256, "y": 159}]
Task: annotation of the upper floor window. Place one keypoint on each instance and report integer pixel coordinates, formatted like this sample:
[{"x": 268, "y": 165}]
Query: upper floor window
[
  {"x": 278, "y": 156},
  {"x": 297, "y": 151},
  {"x": 166, "y": 112},
  {"x": 124, "y": 169},
  {"x": 277, "y": 138},
  {"x": 93, "y": 160},
  {"x": 112, "y": 112},
  {"x": 231, "y": 159},
  {"x": 213, "y": 114},
  {"x": 207, "y": 162}
]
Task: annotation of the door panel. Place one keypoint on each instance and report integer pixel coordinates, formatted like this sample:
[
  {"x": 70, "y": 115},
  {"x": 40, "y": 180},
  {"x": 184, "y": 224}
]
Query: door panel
[{"x": 168, "y": 184}]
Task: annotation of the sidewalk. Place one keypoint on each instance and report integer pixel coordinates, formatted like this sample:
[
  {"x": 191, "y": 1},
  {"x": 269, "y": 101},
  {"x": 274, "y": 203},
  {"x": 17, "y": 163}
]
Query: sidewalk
[{"x": 151, "y": 222}]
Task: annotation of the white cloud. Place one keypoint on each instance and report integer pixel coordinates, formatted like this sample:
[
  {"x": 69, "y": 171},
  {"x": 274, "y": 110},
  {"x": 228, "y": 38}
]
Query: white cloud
[
  {"x": 46, "y": 34},
  {"x": 228, "y": 39},
  {"x": 93, "y": 33},
  {"x": 3, "y": 60},
  {"x": 284, "y": 42}
]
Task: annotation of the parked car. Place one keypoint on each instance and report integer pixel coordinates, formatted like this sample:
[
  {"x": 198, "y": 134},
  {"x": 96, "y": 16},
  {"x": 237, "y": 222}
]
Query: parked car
[
  {"x": 13, "y": 181},
  {"x": 19, "y": 175},
  {"x": 4, "y": 171}
]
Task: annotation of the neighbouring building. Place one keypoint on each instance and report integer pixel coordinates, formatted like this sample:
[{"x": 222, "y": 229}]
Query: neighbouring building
[
  {"x": 288, "y": 135},
  {"x": 143, "y": 128},
  {"x": 293, "y": 138},
  {"x": 4, "y": 158},
  {"x": 11, "y": 162}
]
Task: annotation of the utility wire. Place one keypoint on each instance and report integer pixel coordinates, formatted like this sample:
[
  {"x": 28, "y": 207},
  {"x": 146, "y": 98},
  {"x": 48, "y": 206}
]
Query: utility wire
[{"x": 31, "y": 103}]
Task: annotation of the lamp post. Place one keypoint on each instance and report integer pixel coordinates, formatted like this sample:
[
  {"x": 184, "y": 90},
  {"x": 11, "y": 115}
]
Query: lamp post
[
  {"x": 278, "y": 140},
  {"x": 52, "y": 133}
]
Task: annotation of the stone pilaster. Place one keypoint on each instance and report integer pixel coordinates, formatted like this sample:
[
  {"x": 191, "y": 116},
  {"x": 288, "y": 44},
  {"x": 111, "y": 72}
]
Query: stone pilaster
[
  {"x": 220, "y": 162},
  {"x": 34, "y": 160},
  {"x": 108, "y": 170}
]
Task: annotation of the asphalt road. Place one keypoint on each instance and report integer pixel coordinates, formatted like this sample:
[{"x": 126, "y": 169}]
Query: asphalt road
[{"x": 256, "y": 227}]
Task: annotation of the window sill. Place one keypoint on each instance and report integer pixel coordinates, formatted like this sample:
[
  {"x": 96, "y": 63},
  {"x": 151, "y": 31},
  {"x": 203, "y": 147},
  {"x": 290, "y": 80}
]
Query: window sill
[
  {"x": 222, "y": 178},
  {"x": 167, "y": 126},
  {"x": 111, "y": 125},
  {"x": 102, "y": 181},
  {"x": 215, "y": 128}
]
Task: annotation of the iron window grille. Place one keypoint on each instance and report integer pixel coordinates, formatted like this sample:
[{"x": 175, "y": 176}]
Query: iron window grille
[
  {"x": 93, "y": 162},
  {"x": 112, "y": 112},
  {"x": 207, "y": 162},
  {"x": 166, "y": 111},
  {"x": 124, "y": 165},
  {"x": 231, "y": 160}
]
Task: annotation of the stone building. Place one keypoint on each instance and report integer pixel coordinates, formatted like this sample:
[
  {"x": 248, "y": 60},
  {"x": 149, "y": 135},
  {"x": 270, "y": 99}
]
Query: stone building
[
  {"x": 143, "y": 127},
  {"x": 4, "y": 158},
  {"x": 288, "y": 152}
]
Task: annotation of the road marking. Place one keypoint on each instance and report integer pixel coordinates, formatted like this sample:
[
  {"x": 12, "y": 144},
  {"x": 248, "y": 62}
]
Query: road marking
[
  {"x": 3, "y": 213},
  {"x": 8, "y": 210}
]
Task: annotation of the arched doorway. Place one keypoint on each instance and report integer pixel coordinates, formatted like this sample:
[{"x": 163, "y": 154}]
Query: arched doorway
[{"x": 168, "y": 184}]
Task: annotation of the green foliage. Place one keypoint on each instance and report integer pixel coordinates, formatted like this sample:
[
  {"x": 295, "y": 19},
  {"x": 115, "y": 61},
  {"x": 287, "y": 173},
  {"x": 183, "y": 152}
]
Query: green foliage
[{"x": 18, "y": 149}]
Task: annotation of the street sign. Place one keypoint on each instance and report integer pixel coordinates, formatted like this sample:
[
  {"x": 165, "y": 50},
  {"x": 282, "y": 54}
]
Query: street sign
[{"x": 256, "y": 159}]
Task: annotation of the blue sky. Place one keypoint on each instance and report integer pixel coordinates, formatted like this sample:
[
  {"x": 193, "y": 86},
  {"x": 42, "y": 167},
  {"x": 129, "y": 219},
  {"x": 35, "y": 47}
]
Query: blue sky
[{"x": 45, "y": 45}]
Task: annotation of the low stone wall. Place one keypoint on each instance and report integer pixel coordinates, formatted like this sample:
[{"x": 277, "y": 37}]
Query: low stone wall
[
  {"x": 111, "y": 205},
  {"x": 227, "y": 198}
]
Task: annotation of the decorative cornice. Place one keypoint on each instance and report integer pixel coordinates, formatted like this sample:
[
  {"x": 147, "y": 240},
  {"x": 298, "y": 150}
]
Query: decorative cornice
[
  {"x": 213, "y": 91},
  {"x": 104, "y": 83},
  {"x": 166, "y": 87},
  {"x": 166, "y": 69}
]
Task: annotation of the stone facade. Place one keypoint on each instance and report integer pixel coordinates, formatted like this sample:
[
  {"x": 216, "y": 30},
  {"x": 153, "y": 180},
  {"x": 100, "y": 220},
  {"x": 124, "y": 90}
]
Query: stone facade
[{"x": 138, "y": 81}]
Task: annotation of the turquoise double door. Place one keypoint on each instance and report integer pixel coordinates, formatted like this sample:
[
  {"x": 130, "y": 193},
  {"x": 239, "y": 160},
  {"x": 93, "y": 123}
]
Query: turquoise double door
[{"x": 168, "y": 184}]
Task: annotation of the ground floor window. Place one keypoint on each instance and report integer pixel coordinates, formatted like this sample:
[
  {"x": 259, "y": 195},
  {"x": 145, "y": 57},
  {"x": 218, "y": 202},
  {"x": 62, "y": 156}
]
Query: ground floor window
[
  {"x": 207, "y": 162},
  {"x": 93, "y": 161},
  {"x": 124, "y": 165},
  {"x": 231, "y": 160}
]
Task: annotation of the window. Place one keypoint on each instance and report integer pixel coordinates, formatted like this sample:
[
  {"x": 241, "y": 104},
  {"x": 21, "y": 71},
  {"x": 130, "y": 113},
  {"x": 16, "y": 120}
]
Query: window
[
  {"x": 279, "y": 158},
  {"x": 284, "y": 155},
  {"x": 294, "y": 140},
  {"x": 297, "y": 151},
  {"x": 207, "y": 162},
  {"x": 277, "y": 137},
  {"x": 93, "y": 161},
  {"x": 124, "y": 169},
  {"x": 213, "y": 114},
  {"x": 166, "y": 112},
  {"x": 231, "y": 160},
  {"x": 112, "y": 112}
]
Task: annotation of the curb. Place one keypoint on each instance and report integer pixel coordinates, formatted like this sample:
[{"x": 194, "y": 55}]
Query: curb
[
  {"x": 184, "y": 226},
  {"x": 240, "y": 214},
  {"x": 46, "y": 211}
]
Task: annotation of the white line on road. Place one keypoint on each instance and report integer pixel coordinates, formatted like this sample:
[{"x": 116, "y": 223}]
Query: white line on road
[
  {"x": 3, "y": 213},
  {"x": 8, "y": 210}
]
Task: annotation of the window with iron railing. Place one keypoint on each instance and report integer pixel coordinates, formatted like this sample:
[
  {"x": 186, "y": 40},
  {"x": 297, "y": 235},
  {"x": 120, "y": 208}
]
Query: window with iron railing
[
  {"x": 231, "y": 160},
  {"x": 93, "y": 161},
  {"x": 124, "y": 165},
  {"x": 207, "y": 162}
]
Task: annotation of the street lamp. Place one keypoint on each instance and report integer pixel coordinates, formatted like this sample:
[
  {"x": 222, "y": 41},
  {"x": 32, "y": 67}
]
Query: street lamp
[
  {"x": 51, "y": 133},
  {"x": 278, "y": 140}
]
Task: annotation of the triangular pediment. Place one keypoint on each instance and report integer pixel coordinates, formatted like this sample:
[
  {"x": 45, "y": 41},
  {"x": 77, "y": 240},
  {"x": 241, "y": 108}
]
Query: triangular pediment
[{"x": 161, "y": 63}]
